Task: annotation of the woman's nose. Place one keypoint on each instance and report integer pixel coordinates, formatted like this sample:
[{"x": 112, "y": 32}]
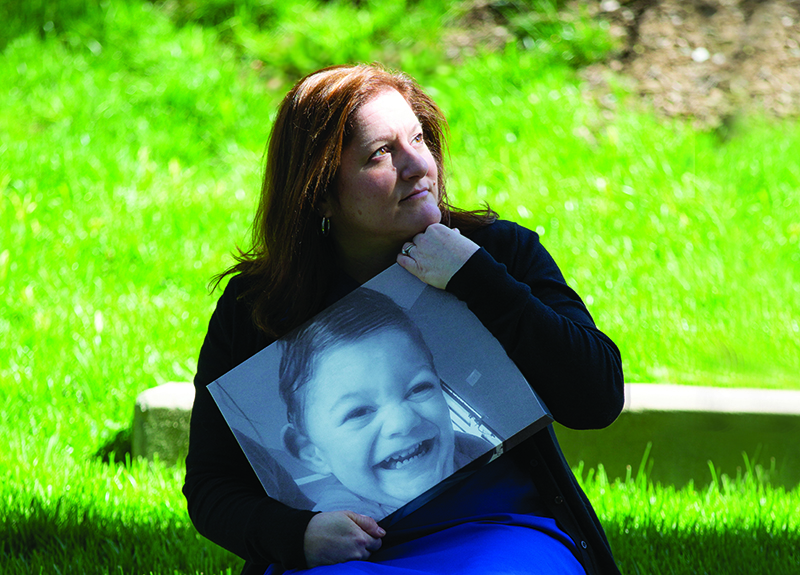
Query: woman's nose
[
  {"x": 415, "y": 164},
  {"x": 399, "y": 419}
]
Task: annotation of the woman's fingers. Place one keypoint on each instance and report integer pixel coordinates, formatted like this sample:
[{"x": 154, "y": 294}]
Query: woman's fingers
[
  {"x": 338, "y": 536},
  {"x": 435, "y": 255},
  {"x": 367, "y": 524}
]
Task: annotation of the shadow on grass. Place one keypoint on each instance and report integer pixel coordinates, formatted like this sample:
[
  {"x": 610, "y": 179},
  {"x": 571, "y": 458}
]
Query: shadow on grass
[
  {"x": 651, "y": 550},
  {"x": 65, "y": 538},
  {"x": 119, "y": 447}
]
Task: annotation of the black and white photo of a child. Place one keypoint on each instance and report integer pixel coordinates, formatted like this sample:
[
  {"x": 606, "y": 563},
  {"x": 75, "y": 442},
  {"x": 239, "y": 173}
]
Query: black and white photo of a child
[{"x": 366, "y": 408}]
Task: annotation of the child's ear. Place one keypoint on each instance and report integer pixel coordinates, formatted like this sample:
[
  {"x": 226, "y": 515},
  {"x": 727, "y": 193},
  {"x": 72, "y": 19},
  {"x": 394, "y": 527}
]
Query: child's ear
[{"x": 301, "y": 448}]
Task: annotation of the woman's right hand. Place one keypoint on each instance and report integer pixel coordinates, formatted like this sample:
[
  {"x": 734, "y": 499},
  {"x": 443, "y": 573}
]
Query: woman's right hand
[
  {"x": 337, "y": 536},
  {"x": 435, "y": 255}
]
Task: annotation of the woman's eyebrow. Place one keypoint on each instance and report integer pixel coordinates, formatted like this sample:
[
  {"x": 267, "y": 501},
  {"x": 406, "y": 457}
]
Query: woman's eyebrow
[
  {"x": 370, "y": 143},
  {"x": 388, "y": 137}
]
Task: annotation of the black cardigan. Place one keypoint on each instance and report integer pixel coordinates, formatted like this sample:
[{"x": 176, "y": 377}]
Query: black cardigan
[{"x": 515, "y": 288}]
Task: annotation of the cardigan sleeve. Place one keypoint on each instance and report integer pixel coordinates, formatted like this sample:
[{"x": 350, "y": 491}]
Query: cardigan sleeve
[
  {"x": 226, "y": 502},
  {"x": 515, "y": 288}
]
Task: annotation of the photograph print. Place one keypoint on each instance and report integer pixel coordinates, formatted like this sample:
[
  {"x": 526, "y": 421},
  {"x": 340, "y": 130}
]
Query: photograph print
[{"x": 379, "y": 403}]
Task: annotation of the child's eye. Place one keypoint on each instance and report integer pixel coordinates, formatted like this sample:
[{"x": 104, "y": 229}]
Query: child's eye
[
  {"x": 419, "y": 138},
  {"x": 420, "y": 391},
  {"x": 357, "y": 414}
]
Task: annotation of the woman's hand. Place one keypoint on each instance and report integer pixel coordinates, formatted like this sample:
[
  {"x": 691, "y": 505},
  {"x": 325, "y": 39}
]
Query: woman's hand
[
  {"x": 337, "y": 536},
  {"x": 435, "y": 255}
]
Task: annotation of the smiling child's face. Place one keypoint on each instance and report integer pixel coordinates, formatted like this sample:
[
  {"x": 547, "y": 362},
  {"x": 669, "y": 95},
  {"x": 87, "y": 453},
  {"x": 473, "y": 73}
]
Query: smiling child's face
[{"x": 376, "y": 418}]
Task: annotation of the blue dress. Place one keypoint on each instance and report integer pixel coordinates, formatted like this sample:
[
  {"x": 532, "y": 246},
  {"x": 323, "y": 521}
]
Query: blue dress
[{"x": 492, "y": 522}]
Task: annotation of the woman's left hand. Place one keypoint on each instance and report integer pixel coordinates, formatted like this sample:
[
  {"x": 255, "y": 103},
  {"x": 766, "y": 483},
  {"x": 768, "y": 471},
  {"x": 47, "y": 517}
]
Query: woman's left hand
[{"x": 435, "y": 255}]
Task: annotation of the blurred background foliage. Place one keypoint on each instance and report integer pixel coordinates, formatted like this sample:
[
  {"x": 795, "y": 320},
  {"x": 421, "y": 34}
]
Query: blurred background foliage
[{"x": 404, "y": 34}]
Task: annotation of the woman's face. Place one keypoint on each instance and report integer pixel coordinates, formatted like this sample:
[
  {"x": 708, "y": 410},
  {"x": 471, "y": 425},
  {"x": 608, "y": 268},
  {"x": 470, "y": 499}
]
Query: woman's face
[
  {"x": 387, "y": 185},
  {"x": 376, "y": 418}
]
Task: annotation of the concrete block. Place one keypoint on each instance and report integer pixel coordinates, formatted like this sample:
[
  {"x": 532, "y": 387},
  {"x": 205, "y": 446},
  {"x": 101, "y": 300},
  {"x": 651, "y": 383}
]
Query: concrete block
[
  {"x": 686, "y": 427},
  {"x": 689, "y": 426},
  {"x": 161, "y": 422}
]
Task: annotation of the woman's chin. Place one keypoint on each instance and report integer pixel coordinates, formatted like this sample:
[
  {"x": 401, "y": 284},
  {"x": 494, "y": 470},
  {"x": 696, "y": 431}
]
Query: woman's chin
[{"x": 428, "y": 211}]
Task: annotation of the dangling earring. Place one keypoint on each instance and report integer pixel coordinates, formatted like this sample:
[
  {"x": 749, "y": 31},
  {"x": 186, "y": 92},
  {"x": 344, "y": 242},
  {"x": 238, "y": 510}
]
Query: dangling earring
[{"x": 325, "y": 228}]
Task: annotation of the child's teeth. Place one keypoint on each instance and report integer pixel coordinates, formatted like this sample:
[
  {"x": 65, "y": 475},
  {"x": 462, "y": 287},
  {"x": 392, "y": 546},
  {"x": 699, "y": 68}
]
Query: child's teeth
[
  {"x": 406, "y": 453},
  {"x": 402, "y": 458}
]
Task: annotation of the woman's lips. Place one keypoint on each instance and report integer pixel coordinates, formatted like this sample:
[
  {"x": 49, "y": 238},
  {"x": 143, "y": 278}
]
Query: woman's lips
[
  {"x": 416, "y": 194},
  {"x": 405, "y": 457}
]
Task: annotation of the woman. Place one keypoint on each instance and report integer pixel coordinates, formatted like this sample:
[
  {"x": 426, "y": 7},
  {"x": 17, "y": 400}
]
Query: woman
[{"x": 354, "y": 183}]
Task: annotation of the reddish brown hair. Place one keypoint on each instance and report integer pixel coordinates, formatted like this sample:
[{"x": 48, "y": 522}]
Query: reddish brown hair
[{"x": 290, "y": 262}]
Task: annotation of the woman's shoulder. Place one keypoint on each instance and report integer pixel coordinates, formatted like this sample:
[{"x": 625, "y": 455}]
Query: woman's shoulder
[
  {"x": 236, "y": 299},
  {"x": 503, "y": 232},
  {"x": 510, "y": 243},
  {"x": 237, "y": 286},
  {"x": 232, "y": 321}
]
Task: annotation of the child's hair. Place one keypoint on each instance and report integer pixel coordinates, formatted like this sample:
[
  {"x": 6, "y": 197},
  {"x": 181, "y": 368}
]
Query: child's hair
[{"x": 359, "y": 314}]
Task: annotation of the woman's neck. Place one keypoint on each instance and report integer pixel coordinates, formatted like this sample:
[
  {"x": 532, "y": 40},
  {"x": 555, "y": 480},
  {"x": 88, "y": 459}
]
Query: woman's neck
[{"x": 363, "y": 265}]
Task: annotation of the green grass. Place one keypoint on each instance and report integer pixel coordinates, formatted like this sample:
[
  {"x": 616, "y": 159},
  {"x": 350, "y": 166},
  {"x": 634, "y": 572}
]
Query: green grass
[
  {"x": 131, "y": 136},
  {"x": 735, "y": 525},
  {"x": 96, "y": 518}
]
